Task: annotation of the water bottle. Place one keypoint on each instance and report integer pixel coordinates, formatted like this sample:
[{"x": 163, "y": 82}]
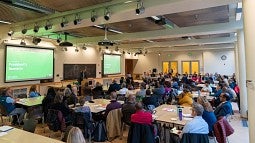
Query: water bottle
[{"x": 180, "y": 114}]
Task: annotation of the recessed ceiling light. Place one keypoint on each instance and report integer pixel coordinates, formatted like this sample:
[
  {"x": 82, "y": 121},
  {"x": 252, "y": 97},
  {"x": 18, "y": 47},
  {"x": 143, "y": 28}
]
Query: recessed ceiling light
[
  {"x": 129, "y": 1},
  {"x": 5, "y": 22}
]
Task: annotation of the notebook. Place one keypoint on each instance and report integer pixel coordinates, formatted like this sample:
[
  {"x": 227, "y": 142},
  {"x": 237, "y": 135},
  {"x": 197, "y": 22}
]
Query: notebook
[{"x": 5, "y": 128}]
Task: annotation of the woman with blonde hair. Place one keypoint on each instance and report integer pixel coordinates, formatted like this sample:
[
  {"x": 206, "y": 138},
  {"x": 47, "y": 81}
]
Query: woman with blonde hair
[
  {"x": 208, "y": 114},
  {"x": 75, "y": 136}
]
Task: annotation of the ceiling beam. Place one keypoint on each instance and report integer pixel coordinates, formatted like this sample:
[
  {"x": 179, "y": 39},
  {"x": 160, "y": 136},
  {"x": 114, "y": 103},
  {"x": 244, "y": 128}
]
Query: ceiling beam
[
  {"x": 187, "y": 42},
  {"x": 192, "y": 48},
  {"x": 229, "y": 27}
]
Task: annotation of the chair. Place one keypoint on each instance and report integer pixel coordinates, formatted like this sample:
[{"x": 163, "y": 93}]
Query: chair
[
  {"x": 194, "y": 138},
  {"x": 3, "y": 112},
  {"x": 29, "y": 125},
  {"x": 113, "y": 123},
  {"x": 141, "y": 133},
  {"x": 82, "y": 119},
  {"x": 56, "y": 121}
]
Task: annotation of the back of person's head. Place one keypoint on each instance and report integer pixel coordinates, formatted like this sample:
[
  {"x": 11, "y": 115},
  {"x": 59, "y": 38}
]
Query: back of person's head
[
  {"x": 32, "y": 88},
  {"x": 139, "y": 106},
  {"x": 143, "y": 85},
  {"x": 114, "y": 81},
  {"x": 7, "y": 91},
  {"x": 198, "y": 108},
  {"x": 75, "y": 136},
  {"x": 225, "y": 95},
  {"x": 131, "y": 98},
  {"x": 168, "y": 84},
  {"x": 58, "y": 98},
  {"x": 123, "y": 85},
  {"x": 204, "y": 102},
  {"x": 69, "y": 86},
  {"x": 148, "y": 92},
  {"x": 51, "y": 91},
  {"x": 113, "y": 95}
]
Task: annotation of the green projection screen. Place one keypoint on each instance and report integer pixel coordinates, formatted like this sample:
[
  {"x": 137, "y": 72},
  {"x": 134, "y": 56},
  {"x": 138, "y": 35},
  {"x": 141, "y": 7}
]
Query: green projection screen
[
  {"x": 111, "y": 64},
  {"x": 28, "y": 63}
]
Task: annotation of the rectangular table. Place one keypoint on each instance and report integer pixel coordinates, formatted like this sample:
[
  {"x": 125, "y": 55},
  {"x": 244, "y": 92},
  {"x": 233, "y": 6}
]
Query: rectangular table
[
  {"x": 20, "y": 136},
  {"x": 31, "y": 101}
]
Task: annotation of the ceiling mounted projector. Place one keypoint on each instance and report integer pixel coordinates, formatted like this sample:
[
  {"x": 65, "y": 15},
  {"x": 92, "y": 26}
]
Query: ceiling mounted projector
[
  {"x": 106, "y": 42},
  {"x": 66, "y": 43}
]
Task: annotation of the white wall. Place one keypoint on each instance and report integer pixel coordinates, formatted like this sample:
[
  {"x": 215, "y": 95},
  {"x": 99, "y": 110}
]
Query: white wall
[
  {"x": 210, "y": 61},
  {"x": 213, "y": 62}
]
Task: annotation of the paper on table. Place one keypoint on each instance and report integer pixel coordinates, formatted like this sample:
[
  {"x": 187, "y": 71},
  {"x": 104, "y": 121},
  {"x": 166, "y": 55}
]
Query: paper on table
[
  {"x": 154, "y": 116},
  {"x": 3, "y": 133},
  {"x": 5, "y": 128},
  {"x": 185, "y": 118},
  {"x": 187, "y": 115},
  {"x": 168, "y": 109},
  {"x": 100, "y": 108}
]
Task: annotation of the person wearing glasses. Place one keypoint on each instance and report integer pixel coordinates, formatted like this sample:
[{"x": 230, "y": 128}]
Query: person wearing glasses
[{"x": 225, "y": 107}]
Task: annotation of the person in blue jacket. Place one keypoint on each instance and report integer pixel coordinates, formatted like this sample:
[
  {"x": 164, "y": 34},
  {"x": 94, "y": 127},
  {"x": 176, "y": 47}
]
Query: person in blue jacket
[
  {"x": 33, "y": 92},
  {"x": 225, "y": 107}
]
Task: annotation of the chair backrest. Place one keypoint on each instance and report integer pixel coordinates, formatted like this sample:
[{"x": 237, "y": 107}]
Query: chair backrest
[
  {"x": 55, "y": 120},
  {"x": 29, "y": 125},
  {"x": 113, "y": 123},
  {"x": 194, "y": 138},
  {"x": 141, "y": 133}
]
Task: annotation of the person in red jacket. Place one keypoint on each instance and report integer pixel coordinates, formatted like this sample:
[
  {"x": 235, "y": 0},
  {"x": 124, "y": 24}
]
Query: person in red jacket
[{"x": 141, "y": 116}]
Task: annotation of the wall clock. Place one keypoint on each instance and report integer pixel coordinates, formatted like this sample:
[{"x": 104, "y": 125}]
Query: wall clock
[{"x": 223, "y": 57}]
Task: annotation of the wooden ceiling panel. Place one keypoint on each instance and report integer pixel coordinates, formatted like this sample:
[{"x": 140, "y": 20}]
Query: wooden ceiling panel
[
  {"x": 166, "y": 39},
  {"x": 14, "y": 14},
  {"x": 212, "y": 15},
  {"x": 89, "y": 32},
  {"x": 66, "y": 5},
  {"x": 133, "y": 42},
  {"x": 138, "y": 25}
]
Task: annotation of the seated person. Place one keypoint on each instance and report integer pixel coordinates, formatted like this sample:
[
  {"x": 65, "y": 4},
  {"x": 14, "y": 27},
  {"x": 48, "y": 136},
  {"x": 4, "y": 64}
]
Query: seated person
[
  {"x": 197, "y": 125},
  {"x": 113, "y": 104},
  {"x": 142, "y": 91},
  {"x": 48, "y": 100},
  {"x": 33, "y": 92},
  {"x": 123, "y": 89},
  {"x": 225, "y": 107},
  {"x": 150, "y": 99},
  {"x": 128, "y": 109},
  {"x": 207, "y": 87},
  {"x": 8, "y": 101},
  {"x": 113, "y": 87},
  {"x": 59, "y": 105},
  {"x": 141, "y": 116},
  {"x": 98, "y": 91},
  {"x": 208, "y": 114},
  {"x": 185, "y": 98}
]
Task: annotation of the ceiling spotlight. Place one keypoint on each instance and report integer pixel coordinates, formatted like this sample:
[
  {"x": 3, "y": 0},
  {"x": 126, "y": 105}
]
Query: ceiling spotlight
[
  {"x": 140, "y": 8},
  {"x": 106, "y": 47},
  {"x": 59, "y": 39},
  {"x": 116, "y": 48},
  {"x": 36, "y": 40},
  {"x": 107, "y": 14},
  {"x": 64, "y": 22},
  {"x": 84, "y": 47},
  {"x": 10, "y": 33},
  {"x": 93, "y": 16},
  {"x": 24, "y": 30},
  {"x": 77, "y": 19},
  {"x": 48, "y": 25},
  {"x": 36, "y": 28},
  {"x": 76, "y": 49},
  {"x": 65, "y": 48},
  {"x": 123, "y": 52},
  {"x": 23, "y": 42}
]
